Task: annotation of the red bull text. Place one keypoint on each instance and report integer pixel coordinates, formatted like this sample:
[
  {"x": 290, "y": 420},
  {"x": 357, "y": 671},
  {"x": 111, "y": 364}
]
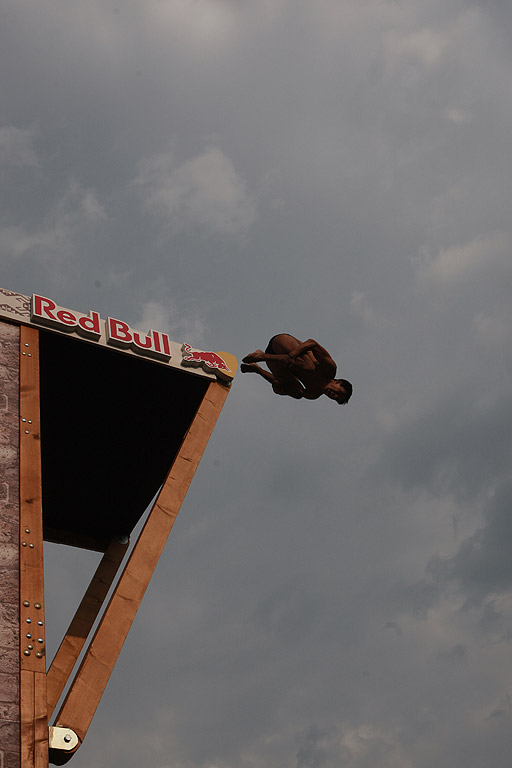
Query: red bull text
[{"x": 118, "y": 333}]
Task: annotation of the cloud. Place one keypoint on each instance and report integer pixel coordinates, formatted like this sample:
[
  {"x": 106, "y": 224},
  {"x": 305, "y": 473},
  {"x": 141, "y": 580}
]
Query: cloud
[
  {"x": 206, "y": 24},
  {"x": 412, "y": 40},
  {"x": 314, "y": 744},
  {"x": 361, "y": 307},
  {"x": 16, "y": 147},
  {"x": 204, "y": 193},
  {"x": 493, "y": 330},
  {"x": 361, "y": 746},
  {"x": 77, "y": 212},
  {"x": 394, "y": 626},
  {"x": 457, "y": 115},
  {"x": 425, "y": 46},
  {"x": 478, "y": 575},
  {"x": 453, "y": 264},
  {"x": 459, "y": 445},
  {"x": 456, "y": 451},
  {"x": 180, "y": 324},
  {"x": 458, "y": 653},
  {"x": 482, "y": 565},
  {"x": 213, "y": 28}
]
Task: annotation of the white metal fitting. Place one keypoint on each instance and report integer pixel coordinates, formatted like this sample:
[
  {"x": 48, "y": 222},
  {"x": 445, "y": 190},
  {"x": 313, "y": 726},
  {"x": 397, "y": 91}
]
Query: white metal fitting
[{"x": 62, "y": 738}]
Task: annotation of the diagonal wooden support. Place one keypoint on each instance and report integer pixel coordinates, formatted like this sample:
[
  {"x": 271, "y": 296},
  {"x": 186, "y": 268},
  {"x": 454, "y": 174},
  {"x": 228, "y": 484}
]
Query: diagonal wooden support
[
  {"x": 83, "y": 620},
  {"x": 87, "y": 688},
  {"x": 33, "y": 709}
]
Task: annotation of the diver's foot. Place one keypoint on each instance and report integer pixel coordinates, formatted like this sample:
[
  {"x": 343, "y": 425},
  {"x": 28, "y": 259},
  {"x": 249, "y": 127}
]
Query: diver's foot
[
  {"x": 249, "y": 368},
  {"x": 254, "y": 357}
]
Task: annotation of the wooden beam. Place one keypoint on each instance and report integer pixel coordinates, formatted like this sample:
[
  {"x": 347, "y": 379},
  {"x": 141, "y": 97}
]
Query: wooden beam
[
  {"x": 86, "y": 690},
  {"x": 83, "y": 620},
  {"x": 33, "y": 708}
]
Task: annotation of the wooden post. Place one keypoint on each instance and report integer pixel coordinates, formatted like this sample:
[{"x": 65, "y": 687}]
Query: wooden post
[
  {"x": 33, "y": 709},
  {"x": 84, "y": 695},
  {"x": 83, "y": 620}
]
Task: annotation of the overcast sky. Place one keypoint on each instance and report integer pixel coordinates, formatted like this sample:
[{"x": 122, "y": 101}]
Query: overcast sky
[{"x": 337, "y": 590}]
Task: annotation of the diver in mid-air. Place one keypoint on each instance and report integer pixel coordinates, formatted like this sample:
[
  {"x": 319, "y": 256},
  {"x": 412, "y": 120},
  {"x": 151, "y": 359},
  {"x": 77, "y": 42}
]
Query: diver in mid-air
[{"x": 298, "y": 369}]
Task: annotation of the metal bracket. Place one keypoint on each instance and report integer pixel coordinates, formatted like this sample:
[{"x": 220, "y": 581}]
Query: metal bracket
[{"x": 62, "y": 738}]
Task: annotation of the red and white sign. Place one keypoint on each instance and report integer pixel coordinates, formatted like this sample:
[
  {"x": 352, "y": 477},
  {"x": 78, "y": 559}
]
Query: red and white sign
[
  {"x": 118, "y": 333},
  {"x": 46, "y": 312},
  {"x": 155, "y": 343},
  {"x": 40, "y": 310}
]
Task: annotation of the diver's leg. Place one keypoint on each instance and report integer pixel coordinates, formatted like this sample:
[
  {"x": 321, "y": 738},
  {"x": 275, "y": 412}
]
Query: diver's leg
[
  {"x": 264, "y": 357},
  {"x": 290, "y": 386},
  {"x": 253, "y": 368},
  {"x": 254, "y": 357},
  {"x": 276, "y": 351}
]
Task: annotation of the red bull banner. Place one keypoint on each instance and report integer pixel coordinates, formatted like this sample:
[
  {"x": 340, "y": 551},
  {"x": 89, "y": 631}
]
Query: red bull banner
[{"x": 111, "y": 332}]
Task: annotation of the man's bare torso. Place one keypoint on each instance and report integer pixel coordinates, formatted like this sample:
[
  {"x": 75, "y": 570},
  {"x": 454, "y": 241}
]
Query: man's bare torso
[
  {"x": 299, "y": 369},
  {"x": 304, "y": 376}
]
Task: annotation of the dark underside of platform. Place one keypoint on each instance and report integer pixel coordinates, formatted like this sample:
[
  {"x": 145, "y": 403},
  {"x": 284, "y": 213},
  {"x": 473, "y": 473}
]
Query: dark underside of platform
[{"x": 111, "y": 426}]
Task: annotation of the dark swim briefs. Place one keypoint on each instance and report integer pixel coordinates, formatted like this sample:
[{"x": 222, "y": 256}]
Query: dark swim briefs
[
  {"x": 270, "y": 346},
  {"x": 270, "y": 350}
]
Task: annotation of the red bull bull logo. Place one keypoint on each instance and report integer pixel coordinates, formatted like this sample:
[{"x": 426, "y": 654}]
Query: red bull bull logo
[{"x": 211, "y": 362}]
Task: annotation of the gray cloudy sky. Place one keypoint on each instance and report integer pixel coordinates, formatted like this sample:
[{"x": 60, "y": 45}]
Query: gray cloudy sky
[{"x": 339, "y": 169}]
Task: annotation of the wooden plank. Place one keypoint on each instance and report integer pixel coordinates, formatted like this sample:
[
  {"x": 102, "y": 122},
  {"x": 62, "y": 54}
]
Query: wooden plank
[
  {"x": 31, "y": 519},
  {"x": 92, "y": 677},
  {"x": 33, "y": 720},
  {"x": 33, "y": 707},
  {"x": 85, "y": 616},
  {"x": 40, "y": 721},
  {"x": 27, "y": 720}
]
